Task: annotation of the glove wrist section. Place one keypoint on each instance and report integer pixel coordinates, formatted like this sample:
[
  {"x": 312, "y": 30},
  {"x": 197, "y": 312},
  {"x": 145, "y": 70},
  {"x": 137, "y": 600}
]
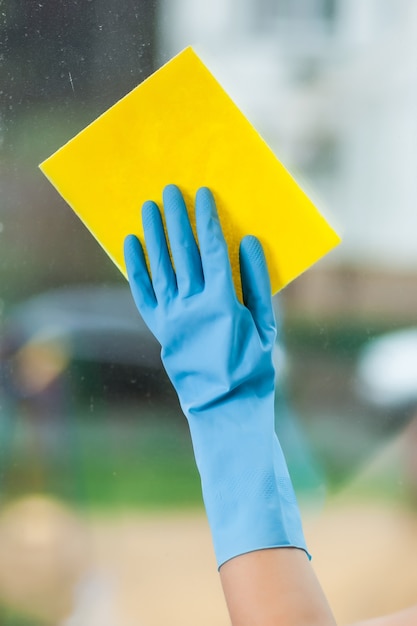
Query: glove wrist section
[{"x": 247, "y": 491}]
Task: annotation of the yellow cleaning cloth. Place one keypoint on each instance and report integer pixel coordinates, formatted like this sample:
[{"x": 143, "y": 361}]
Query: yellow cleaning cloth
[{"x": 179, "y": 126}]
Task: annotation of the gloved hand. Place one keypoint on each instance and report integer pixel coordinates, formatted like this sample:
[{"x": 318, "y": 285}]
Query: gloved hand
[{"x": 218, "y": 354}]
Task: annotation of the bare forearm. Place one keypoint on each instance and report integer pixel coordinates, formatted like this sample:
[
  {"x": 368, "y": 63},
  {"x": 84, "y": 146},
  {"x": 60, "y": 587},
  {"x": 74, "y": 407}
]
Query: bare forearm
[{"x": 274, "y": 587}]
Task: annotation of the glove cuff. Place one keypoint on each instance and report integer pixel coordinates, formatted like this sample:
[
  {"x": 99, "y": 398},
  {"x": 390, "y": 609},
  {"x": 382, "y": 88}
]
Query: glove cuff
[{"x": 253, "y": 508}]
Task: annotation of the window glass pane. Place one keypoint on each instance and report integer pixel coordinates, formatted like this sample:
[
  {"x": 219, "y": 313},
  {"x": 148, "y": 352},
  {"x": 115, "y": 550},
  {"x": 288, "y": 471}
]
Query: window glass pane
[{"x": 101, "y": 517}]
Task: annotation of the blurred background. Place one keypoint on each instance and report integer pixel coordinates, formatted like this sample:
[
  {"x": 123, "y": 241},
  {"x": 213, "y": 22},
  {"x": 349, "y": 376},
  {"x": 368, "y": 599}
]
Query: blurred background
[{"x": 101, "y": 520}]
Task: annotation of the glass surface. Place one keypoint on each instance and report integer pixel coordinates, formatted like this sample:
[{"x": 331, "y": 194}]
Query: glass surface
[{"x": 101, "y": 518}]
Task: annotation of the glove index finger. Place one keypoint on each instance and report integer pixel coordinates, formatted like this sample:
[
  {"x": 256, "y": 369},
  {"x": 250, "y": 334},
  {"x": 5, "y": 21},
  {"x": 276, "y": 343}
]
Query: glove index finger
[{"x": 256, "y": 286}]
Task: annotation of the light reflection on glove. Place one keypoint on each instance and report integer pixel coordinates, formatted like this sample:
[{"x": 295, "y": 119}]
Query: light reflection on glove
[{"x": 218, "y": 354}]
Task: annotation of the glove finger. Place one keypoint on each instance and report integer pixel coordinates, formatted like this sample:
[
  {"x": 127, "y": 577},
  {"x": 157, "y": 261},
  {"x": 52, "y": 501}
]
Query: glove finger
[
  {"x": 138, "y": 275},
  {"x": 163, "y": 275},
  {"x": 185, "y": 253},
  {"x": 256, "y": 287},
  {"x": 213, "y": 246}
]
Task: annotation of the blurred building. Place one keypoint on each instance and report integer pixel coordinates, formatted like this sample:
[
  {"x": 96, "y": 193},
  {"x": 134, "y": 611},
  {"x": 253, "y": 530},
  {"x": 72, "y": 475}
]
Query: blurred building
[{"x": 332, "y": 86}]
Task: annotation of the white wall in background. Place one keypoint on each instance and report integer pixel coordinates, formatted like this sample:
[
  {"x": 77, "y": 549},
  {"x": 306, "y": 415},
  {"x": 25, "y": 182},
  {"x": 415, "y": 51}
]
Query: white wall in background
[{"x": 334, "y": 94}]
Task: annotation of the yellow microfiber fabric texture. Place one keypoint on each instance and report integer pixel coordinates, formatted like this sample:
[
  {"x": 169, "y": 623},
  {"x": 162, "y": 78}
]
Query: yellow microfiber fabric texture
[{"x": 179, "y": 126}]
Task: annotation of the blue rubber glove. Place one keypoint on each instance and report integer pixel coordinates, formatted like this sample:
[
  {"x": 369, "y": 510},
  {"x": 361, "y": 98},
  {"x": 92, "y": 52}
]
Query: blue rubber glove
[{"x": 218, "y": 354}]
